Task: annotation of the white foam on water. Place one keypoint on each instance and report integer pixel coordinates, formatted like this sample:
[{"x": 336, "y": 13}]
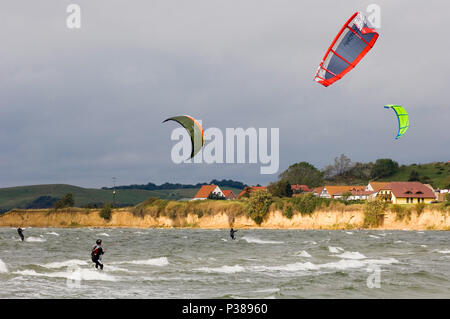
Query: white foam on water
[
  {"x": 52, "y": 233},
  {"x": 423, "y": 246},
  {"x": 35, "y": 239},
  {"x": 373, "y": 236},
  {"x": 349, "y": 232},
  {"x": 81, "y": 273},
  {"x": 3, "y": 267},
  {"x": 335, "y": 250},
  {"x": 351, "y": 255},
  {"x": 444, "y": 251},
  {"x": 341, "y": 265},
  {"x": 161, "y": 261},
  {"x": 103, "y": 234},
  {"x": 303, "y": 253},
  {"x": 223, "y": 269},
  {"x": 223, "y": 239},
  {"x": 254, "y": 240},
  {"x": 67, "y": 263},
  {"x": 398, "y": 241}
]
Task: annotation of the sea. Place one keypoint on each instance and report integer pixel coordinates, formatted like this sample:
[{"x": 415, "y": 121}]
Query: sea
[{"x": 203, "y": 263}]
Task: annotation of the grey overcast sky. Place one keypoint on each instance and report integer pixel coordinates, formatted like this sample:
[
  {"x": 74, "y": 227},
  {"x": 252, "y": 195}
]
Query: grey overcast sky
[{"x": 82, "y": 106}]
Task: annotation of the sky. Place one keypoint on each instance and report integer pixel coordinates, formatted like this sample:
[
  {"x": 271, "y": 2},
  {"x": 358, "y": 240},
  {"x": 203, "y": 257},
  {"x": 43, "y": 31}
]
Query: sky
[{"x": 79, "y": 106}]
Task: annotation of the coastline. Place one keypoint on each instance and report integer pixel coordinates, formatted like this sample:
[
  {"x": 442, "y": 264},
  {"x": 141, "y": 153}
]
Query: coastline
[{"x": 330, "y": 219}]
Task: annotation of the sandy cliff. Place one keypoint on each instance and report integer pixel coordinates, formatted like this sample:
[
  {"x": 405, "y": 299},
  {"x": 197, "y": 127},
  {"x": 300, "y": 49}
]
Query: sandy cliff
[{"x": 429, "y": 219}]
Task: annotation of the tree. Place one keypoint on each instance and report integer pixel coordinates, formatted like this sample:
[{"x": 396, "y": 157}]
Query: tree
[
  {"x": 258, "y": 205},
  {"x": 303, "y": 173},
  {"x": 105, "y": 213},
  {"x": 414, "y": 176},
  {"x": 342, "y": 164},
  {"x": 384, "y": 167},
  {"x": 282, "y": 188},
  {"x": 66, "y": 201}
]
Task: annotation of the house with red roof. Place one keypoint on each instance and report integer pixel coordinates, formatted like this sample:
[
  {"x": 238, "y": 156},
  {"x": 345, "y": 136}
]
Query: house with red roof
[
  {"x": 250, "y": 189},
  {"x": 206, "y": 190},
  {"x": 333, "y": 191},
  {"x": 298, "y": 188},
  {"x": 407, "y": 193},
  {"x": 229, "y": 194}
]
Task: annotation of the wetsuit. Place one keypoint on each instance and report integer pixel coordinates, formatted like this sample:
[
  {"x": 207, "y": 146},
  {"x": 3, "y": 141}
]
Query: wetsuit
[
  {"x": 232, "y": 231},
  {"x": 97, "y": 252},
  {"x": 20, "y": 230}
]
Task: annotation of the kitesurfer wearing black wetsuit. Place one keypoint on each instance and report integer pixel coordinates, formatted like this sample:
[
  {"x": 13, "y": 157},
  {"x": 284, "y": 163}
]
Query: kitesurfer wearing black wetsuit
[
  {"x": 232, "y": 231},
  {"x": 96, "y": 254},
  {"x": 20, "y": 231}
]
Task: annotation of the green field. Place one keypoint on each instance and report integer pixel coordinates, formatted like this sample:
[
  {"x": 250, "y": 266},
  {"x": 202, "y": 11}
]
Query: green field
[{"x": 21, "y": 196}]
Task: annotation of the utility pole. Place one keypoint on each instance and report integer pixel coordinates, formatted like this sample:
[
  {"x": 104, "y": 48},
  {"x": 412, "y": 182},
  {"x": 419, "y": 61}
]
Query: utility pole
[{"x": 114, "y": 191}]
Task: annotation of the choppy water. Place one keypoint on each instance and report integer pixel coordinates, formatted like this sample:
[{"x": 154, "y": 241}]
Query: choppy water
[{"x": 195, "y": 263}]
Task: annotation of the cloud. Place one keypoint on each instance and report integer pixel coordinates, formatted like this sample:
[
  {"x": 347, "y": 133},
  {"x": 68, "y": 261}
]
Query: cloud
[{"x": 81, "y": 106}]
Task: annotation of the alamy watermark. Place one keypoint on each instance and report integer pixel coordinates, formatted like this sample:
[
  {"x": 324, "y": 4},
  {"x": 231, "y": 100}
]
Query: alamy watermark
[
  {"x": 234, "y": 146},
  {"x": 374, "y": 279},
  {"x": 74, "y": 277}
]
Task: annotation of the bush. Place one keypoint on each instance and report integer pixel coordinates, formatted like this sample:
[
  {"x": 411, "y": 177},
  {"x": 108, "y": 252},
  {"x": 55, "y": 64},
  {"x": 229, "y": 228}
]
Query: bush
[
  {"x": 374, "y": 213},
  {"x": 105, "y": 213},
  {"x": 258, "y": 205},
  {"x": 308, "y": 203},
  {"x": 66, "y": 201},
  {"x": 401, "y": 212}
]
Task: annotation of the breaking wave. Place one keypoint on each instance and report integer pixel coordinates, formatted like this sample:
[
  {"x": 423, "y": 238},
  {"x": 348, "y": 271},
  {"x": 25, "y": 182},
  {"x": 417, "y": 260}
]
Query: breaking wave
[
  {"x": 161, "y": 261},
  {"x": 253, "y": 240}
]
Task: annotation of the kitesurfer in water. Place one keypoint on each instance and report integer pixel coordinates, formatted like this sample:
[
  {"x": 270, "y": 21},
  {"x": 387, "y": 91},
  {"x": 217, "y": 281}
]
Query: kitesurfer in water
[
  {"x": 232, "y": 231},
  {"x": 96, "y": 254},
  {"x": 20, "y": 231}
]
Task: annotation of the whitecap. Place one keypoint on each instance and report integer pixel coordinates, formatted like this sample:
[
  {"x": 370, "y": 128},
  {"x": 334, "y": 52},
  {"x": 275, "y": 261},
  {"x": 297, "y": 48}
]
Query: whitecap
[
  {"x": 52, "y": 233},
  {"x": 253, "y": 240},
  {"x": 335, "y": 250},
  {"x": 373, "y": 236},
  {"x": 349, "y": 232},
  {"x": 161, "y": 261},
  {"x": 35, "y": 239},
  {"x": 303, "y": 253},
  {"x": 103, "y": 234},
  {"x": 223, "y": 269},
  {"x": 444, "y": 251},
  {"x": 80, "y": 274},
  {"x": 351, "y": 255},
  {"x": 67, "y": 263}
]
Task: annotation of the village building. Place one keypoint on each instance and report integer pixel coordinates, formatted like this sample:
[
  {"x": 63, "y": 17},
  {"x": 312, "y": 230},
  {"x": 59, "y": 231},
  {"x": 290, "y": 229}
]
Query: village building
[
  {"x": 332, "y": 191},
  {"x": 206, "y": 190},
  {"x": 250, "y": 189},
  {"x": 406, "y": 193},
  {"x": 229, "y": 194},
  {"x": 298, "y": 188}
]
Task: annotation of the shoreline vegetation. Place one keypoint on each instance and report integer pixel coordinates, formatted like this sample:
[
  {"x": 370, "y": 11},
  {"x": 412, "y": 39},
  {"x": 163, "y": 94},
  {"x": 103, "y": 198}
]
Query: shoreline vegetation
[{"x": 260, "y": 210}]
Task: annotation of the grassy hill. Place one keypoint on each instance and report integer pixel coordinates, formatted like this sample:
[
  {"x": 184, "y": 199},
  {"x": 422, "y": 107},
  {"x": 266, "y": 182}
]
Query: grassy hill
[
  {"x": 21, "y": 196},
  {"x": 438, "y": 173}
]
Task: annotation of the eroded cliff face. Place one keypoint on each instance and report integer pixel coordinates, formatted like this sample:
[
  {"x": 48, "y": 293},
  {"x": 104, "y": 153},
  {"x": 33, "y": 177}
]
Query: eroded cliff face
[{"x": 331, "y": 219}]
